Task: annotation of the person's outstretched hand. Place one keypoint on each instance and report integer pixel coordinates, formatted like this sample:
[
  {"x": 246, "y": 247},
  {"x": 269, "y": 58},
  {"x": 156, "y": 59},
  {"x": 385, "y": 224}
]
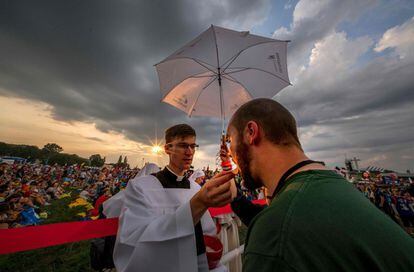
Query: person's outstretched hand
[{"x": 215, "y": 193}]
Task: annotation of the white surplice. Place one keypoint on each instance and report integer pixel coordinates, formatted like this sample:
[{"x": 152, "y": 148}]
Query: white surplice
[
  {"x": 113, "y": 206},
  {"x": 156, "y": 230}
]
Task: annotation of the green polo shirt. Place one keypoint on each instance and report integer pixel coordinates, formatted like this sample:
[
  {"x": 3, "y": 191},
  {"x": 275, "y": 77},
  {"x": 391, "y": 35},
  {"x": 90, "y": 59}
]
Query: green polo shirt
[{"x": 320, "y": 222}]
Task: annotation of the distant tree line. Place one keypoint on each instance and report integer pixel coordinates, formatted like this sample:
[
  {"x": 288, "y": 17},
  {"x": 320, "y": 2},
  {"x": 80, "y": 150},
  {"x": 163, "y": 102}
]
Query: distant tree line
[
  {"x": 51, "y": 153},
  {"x": 124, "y": 163}
]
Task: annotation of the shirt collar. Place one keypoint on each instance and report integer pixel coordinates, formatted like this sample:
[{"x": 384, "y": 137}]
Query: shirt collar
[{"x": 178, "y": 178}]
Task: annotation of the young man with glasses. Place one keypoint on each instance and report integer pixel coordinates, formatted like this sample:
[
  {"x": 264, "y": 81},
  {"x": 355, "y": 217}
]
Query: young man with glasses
[{"x": 164, "y": 220}]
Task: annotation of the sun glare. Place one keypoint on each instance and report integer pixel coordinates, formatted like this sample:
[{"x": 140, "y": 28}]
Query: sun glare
[{"x": 156, "y": 149}]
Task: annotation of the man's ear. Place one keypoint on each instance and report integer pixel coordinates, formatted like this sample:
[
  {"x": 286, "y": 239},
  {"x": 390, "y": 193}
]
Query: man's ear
[
  {"x": 252, "y": 133},
  {"x": 167, "y": 149}
]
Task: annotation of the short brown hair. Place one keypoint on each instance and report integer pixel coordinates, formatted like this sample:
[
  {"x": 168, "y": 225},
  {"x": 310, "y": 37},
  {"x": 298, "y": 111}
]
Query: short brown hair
[
  {"x": 178, "y": 131},
  {"x": 277, "y": 123}
]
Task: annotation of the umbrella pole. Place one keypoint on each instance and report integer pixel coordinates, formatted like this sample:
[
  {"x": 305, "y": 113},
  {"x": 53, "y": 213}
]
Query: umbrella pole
[
  {"x": 222, "y": 111},
  {"x": 223, "y": 117}
]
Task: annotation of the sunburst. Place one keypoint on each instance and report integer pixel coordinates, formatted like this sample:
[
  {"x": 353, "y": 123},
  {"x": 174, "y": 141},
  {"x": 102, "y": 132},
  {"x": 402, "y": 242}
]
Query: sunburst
[{"x": 156, "y": 149}]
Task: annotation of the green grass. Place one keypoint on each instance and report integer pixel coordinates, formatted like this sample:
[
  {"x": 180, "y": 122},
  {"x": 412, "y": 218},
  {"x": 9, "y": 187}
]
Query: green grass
[{"x": 66, "y": 258}]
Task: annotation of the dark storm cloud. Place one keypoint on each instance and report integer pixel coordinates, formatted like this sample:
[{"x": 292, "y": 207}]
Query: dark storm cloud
[{"x": 93, "y": 60}]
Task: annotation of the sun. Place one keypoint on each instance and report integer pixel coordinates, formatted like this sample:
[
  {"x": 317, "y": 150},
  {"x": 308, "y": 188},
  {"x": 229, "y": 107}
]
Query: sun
[{"x": 156, "y": 149}]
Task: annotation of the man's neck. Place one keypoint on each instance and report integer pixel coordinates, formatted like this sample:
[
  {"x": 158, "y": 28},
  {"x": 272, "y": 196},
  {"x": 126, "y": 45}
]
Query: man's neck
[
  {"x": 178, "y": 172},
  {"x": 275, "y": 161}
]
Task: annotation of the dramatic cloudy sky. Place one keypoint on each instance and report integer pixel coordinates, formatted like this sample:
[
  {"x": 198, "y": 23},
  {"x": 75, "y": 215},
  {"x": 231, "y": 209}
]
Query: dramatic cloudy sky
[{"x": 80, "y": 73}]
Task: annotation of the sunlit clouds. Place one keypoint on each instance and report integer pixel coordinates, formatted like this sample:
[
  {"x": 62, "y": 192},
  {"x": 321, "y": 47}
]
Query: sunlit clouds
[{"x": 28, "y": 122}]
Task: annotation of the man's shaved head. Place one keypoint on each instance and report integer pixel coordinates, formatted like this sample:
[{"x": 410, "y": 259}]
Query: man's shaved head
[{"x": 277, "y": 123}]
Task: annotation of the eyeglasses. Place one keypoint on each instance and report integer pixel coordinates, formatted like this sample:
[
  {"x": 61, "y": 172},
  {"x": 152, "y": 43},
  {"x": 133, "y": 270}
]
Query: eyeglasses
[{"x": 185, "y": 146}]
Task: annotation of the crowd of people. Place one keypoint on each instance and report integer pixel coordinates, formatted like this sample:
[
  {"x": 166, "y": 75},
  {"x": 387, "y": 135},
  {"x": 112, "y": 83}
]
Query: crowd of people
[
  {"x": 391, "y": 194},
  {"x": 26, "y": 188}
]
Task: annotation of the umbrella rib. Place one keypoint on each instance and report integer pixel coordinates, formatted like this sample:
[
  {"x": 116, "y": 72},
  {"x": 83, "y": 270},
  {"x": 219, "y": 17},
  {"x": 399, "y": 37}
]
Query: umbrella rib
[
  {"x": 181, "y": 57},
  {"x": 261, "y": 70},
  {"x": 205, "y": 66},
  {"x": 215, "y": 42},
  {"x": 192, "y": 76},
  {"x": 240, "y": 70},
  {"x": 200, "y": 62},
  {"x": 202, "y": 76},
  {"x": 208, "y": 84},
  {"x": 198, "y": 96},
  {"x": 238, "y": 82},
  {"x": 233, "y": 58},
  {"x": 230, "y": 78}
]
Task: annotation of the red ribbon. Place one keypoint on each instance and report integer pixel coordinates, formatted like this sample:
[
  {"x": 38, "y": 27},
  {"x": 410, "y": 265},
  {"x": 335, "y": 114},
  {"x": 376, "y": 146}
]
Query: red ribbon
[{"x": 29, "y": 238}]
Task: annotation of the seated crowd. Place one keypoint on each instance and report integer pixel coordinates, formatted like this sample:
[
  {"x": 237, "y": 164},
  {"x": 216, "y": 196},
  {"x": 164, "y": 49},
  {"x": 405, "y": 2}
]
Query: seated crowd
[{"x": 26, "y": 188}]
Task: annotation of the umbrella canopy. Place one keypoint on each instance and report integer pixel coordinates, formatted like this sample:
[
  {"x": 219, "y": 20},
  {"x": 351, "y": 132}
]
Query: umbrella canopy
[{"x": 221, "y": 69}]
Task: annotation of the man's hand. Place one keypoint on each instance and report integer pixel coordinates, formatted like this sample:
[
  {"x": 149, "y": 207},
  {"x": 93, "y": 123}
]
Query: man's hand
[{"x": 215, "y": 193}]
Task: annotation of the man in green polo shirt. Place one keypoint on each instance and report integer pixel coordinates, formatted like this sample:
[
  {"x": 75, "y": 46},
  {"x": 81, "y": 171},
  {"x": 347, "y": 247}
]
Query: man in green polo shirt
[{"x": 316, "y": 220}]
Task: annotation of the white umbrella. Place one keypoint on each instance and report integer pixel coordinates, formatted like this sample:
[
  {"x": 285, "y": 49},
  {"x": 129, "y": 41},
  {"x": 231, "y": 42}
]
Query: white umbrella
[{"x": 221, "y": 69}]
